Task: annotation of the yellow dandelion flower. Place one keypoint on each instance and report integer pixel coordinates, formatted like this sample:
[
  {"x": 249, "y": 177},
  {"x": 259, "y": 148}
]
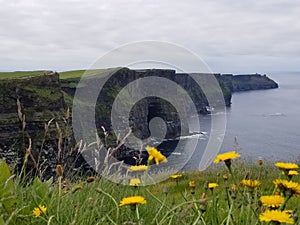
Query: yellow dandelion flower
[
  {"x": 176, "y": 176},
  {"x": 293, "y": 173},
  {"x": 38, "y": 211},
  {"x": 250, "y": 183},
  {"x": 212, "y": 185},
  {"x": 155, "y": 155},
  {"x": 276, "y": 216},
  {"x": 192, "y": 184},
  {"x": 137, "y": 168},
  {"x": 133, "y": 200},
  {"x": 272, "y": 201},
  {"x": 227, "y": 156},
  {"x": 286, "y": 166},
  {"x": 134, "y": 182},
  {"x": 288, "y": 187}
]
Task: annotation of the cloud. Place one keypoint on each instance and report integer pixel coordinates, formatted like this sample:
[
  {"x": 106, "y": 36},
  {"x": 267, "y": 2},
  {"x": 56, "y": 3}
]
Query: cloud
[{"x": 71, "y": 34}]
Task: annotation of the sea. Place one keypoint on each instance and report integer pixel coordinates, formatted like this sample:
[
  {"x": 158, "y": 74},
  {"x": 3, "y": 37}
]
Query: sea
[{"x": 261, "y": 124}]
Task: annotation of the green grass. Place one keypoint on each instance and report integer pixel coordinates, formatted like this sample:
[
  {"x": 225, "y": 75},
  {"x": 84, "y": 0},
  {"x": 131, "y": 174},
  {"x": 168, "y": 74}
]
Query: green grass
[
  {"x": 168, "y": 202},
  {"x": 74, "y": 74},
  {"x": 89, "y": 73},
  {"x": 20, "y": 74}
]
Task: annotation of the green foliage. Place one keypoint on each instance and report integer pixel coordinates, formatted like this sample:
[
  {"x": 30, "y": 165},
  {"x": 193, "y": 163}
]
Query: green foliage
[
  {"x": 7, "y": 190},
  {"x": 21, "y": 74},
  {"x": 168, "y": 202}
]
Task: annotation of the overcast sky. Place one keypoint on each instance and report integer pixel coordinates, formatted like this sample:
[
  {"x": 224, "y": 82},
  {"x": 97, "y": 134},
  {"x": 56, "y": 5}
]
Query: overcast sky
[{"x": 230, "y": 36}]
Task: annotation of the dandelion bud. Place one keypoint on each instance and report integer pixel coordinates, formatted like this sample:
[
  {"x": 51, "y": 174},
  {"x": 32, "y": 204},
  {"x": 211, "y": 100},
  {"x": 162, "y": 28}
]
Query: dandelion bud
[
  {"x": 234, "y": 187},
  {"x": 260, "y": 161},
  {"x": 59, "y": 170},
  {"x": 165, "y": 190},
  {"x": 76, "y": 188},
  {"x": 90, "y": 179},
  {"x": 192, "y": 186},
  {"x": 225, "y": 176},
  {"x": 203, "y": 203}
]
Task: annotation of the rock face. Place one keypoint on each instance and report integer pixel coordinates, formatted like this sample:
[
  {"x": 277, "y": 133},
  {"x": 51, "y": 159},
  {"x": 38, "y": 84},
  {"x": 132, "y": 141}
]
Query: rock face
[
  {"x": 149, "y": 107},
  {"x": 248, "y": 82},
  {"x": 32, "y": 108}
]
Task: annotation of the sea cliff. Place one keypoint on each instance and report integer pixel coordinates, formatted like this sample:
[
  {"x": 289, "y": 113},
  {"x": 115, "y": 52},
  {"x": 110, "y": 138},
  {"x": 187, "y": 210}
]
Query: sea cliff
[{"x": 35, "y": 111}]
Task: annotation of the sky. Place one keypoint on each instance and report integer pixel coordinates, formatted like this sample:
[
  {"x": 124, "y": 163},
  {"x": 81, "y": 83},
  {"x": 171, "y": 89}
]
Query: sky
[{"x": 230, "y": 36}]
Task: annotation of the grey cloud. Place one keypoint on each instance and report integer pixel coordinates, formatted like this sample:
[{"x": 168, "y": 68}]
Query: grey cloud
[{"x": 62, "y": 35}]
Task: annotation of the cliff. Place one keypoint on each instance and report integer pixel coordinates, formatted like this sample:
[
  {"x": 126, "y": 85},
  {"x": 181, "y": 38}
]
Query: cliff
[
  {"x": 248, "y": 82},
  {"x": 149, "y": 107},
  {"x": 36, "y": 107},
  {"x": 32, "y": 108}
]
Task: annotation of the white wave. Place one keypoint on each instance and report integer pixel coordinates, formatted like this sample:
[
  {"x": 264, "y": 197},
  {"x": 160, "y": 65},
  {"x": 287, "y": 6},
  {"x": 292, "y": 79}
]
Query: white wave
[{"x": 176, "y": 153}]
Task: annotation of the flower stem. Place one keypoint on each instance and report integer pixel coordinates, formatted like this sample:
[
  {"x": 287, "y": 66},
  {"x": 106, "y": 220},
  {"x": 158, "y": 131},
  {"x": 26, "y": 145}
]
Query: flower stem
[{"x": 137, "y": 215}]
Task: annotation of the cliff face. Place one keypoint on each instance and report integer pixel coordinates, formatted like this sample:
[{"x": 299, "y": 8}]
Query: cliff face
[
  {"x": 149, "y": 107},
  {"x": 36, "y": 108},
  {"x": 27, "y": 105},
  {"x": 248, "y": 82}
]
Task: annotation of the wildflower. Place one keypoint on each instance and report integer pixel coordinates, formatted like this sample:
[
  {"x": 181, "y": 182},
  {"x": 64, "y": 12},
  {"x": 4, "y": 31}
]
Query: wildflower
[
  {"x": 137, "y": 168},
  {"x": 211, "y": 186},
  {"x": 293, "y": 173},
  {"x": 233, "y": 191},
  {"x": 276, "y": 216},
  {"x": 176, "y": 176},
  {"x": 289, "y": 188},
  {"x": 226, "y": 156},
  {"x": 250, "y": 183},
  {"x": 76, "y": 188},
  {"x": 192, "y": 184},
  {"x": 38, "y": 211},
  {"x": 134, "y": 200},
  {"x": 90, "y": 179},
  {"x": 155, "y": 155},
  {"x": 59, "y": 170},
  {"x": 272, "y": 201},
  {"x": 286, "y": 166},
  {"x": 134, "y": 182}
]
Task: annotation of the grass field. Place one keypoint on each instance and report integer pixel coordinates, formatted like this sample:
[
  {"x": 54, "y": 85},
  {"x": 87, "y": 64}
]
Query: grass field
[
  {"x": 219, "y": 195},
  {"x": 63, "y": 75},
  {"x": 20, "y": 74}
]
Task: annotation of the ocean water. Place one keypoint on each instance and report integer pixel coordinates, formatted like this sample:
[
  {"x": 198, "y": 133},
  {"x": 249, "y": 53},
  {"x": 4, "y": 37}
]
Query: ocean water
[{"x": 263, "y": 123}]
